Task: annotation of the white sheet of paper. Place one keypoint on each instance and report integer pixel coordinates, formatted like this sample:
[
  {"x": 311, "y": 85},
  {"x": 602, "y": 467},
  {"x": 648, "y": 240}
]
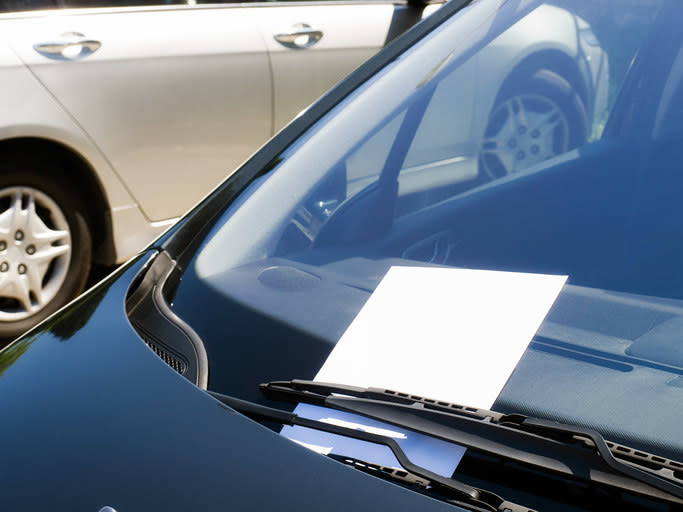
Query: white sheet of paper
[{"x": 450, "y": 334}]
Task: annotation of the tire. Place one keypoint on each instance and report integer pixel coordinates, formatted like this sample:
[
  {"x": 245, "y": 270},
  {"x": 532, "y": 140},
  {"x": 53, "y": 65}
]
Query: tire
[
  {"x": 531, "y": 121},
  {"x": 45, "y": 244}
]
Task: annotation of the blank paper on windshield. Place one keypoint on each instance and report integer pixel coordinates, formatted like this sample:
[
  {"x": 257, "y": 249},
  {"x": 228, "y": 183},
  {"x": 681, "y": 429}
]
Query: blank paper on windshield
[{"x": 450, "y": 334}]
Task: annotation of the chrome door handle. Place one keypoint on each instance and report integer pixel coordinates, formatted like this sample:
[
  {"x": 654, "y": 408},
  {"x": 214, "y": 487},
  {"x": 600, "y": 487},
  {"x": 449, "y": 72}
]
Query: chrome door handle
[
  {"x": 72, "y": 46},
  {"x": 300, "y": 36}
]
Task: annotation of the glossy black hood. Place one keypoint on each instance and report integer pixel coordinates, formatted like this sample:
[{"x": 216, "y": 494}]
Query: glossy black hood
[{"x": 92, "y": 418}]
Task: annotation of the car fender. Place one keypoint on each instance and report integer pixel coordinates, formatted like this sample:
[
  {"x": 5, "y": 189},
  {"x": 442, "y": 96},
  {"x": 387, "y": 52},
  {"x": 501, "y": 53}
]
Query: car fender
[{"x": 28, "y": 111}]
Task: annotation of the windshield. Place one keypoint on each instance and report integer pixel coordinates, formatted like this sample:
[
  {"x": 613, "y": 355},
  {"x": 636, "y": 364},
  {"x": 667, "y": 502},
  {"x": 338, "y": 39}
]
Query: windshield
[{"x": 530, "y": 137}]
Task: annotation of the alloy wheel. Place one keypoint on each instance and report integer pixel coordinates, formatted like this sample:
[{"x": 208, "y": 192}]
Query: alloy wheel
[
  {"x": 35, "y": 250},
  {"x": 523, "y": 131}
]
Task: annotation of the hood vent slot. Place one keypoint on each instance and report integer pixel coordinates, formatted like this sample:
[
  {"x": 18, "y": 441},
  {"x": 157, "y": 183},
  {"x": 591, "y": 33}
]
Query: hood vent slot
[{"x": 168, "y": 355}]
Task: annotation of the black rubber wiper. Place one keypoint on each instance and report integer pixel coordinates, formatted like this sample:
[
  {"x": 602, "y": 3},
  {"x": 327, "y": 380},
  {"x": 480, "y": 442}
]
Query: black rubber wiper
[
  {"x": 575, "y": 452},
  {"x": 460, "y": 493}
]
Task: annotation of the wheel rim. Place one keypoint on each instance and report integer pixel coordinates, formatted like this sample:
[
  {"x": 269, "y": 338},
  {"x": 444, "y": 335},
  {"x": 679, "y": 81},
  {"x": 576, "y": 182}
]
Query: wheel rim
[
  {"x": 35, "y": 250},
  {"x": 523, "y": 131}
]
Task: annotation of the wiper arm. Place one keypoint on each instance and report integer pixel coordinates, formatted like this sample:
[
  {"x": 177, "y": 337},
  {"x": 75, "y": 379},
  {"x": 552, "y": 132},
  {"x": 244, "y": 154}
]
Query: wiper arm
[
  {"x": 463, "y": 493},
  {"x": 573, "y": 451},
  {"x": 544, "y": 427},
  {"x": 413, "y": 481}
]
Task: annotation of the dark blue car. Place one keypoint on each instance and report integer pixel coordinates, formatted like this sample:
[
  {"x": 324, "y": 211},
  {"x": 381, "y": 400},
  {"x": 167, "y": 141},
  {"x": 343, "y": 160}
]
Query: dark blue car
[{"x": 195, "y": 377}]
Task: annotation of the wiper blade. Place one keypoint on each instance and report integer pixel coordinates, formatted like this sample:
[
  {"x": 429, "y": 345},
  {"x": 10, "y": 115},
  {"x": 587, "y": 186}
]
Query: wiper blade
[
  {"x": 577, "y": 452},
  {"x": 462, "y": 493}
]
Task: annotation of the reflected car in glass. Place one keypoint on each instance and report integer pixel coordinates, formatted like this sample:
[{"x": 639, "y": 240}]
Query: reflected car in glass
[{"x": 197, "y": 376}]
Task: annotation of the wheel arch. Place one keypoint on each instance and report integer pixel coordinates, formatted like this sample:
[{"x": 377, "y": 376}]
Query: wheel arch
[
  {"x": 554, "y": 60},
  {"x": 80, "y": 171}
]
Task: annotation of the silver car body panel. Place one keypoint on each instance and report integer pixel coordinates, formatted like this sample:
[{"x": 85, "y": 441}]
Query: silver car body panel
[
  {"x": 177, "y": 97},
  {"x": 27, "y": 110}
]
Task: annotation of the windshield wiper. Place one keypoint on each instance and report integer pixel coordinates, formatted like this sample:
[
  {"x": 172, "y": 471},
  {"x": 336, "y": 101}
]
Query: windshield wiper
[
  {"x": 576, "y": 452},
  {"x": 459, "y": 493}
]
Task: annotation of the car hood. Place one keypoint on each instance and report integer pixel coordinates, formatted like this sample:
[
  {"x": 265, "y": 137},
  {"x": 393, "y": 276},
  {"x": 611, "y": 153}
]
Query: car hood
[{"x": 94, "y": 418}]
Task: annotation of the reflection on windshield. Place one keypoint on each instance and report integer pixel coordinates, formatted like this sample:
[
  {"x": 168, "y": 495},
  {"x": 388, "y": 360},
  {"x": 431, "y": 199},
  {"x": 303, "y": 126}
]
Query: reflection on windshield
[{"x": 545, "y": 139}]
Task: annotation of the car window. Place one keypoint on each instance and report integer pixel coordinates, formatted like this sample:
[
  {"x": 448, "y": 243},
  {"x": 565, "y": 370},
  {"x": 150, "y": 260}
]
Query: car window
[
  {"x": 459, "y": 132},
  {"x": 483, "y": 112},
  {"x": 28, "y": 5}
]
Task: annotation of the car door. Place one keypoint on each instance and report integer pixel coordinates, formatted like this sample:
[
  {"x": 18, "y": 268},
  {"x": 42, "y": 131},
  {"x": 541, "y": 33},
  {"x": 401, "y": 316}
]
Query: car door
[
  {"x": 175, "y": 97},
  {"x": 313, "y": 45}
]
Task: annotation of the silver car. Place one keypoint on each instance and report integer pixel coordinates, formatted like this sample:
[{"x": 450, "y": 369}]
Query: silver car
[{"x": 115, "y": 120}]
